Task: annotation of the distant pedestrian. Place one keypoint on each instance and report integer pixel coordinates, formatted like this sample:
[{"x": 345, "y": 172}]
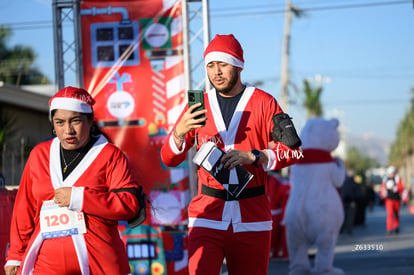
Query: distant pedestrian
[
  {"x": 361, "y": 202},
  {"x": 391, "y": 191},
  {"x": 7, "y": 198},
  {"x": 371, "y": 196},
  {"x": 350, "y": 193},
  {"x": 279, "y": 189}
]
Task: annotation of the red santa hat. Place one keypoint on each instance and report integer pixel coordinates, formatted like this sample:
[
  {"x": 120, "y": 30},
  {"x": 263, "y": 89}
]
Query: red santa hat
[
  {"x": 224, "y": 48},
  {"x": 72, "y": 99}
]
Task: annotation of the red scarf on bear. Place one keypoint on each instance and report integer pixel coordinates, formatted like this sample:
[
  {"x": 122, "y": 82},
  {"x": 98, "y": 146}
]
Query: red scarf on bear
[
  {"x": 311, "y": 156},
  {"x": 315, "y": 156}
]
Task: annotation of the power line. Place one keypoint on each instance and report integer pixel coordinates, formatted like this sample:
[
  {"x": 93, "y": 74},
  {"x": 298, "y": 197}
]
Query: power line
[
  {"x": 365, "y": 5},
  {"x": 296, "y": 4},
  {"x": 364, "y": 74},
  {"x": 351, "y": 75},
  {"x": 33, "y": 27},
  {"x": 333, "y": 7},
  {"x": 368, "y": 102},
  {"x": 49, "y": 24},
  {"x": 377, "y": 77},
  {"x": 28, "y": 23}
]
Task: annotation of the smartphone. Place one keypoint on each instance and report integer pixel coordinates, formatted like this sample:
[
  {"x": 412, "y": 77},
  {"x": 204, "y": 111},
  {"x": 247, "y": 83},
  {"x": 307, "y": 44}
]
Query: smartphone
[{"x": 196, "y": 96}]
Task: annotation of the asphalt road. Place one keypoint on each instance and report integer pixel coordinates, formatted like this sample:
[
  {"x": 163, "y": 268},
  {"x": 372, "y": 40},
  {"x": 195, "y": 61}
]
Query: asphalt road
[{"x": 369, "y": 251}]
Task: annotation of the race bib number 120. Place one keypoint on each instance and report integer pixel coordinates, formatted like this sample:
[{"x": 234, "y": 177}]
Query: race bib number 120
[{"x": 58, "y": 221}]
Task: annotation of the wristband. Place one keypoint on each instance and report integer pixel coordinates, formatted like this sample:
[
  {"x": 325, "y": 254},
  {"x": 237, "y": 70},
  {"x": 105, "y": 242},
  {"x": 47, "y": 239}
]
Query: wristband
[{"x": 175, "y": 135}]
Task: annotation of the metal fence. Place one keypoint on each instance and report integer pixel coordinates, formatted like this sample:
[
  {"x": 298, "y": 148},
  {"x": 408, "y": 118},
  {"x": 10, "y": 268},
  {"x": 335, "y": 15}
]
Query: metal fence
[{"x": 13, "y": 159}]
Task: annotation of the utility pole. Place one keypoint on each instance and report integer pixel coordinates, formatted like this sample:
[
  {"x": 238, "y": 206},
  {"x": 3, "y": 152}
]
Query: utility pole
[{"x": 284, "y": 75}]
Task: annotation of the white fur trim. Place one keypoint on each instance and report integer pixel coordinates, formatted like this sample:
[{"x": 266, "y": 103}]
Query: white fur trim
[
  {"x": 13, "y": 262},
  {"x": 71, "y": 104},
  {"x": 275, "y": 212},
  {"x": 55, "y": 165},
  {"x": 28, "y": 264},
  {"x": 271, "y": 163},
  {"x": 224, "y": 225},
  {"x": 174, "y": 147},
  {"x": 252, "y": 226},
  {"x": 223, "y": 57},
  {"x": 81, "y": 253},
  {"x": 207, "y": 223},
  {"x": 228, "y": 136},
  {"x": 76, "y": 200}
]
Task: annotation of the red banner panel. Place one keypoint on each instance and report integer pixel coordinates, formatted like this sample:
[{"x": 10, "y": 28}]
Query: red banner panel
[{"x": 134, "y": 68}]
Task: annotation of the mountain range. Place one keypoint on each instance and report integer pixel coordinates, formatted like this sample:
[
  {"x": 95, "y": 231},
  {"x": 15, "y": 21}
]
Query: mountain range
[{"x": 374, "y": 147}]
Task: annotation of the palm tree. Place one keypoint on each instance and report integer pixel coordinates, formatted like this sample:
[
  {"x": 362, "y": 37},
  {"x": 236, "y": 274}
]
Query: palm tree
[
  {"x": 402, "y": 149},
  {"x": 403, "y": 146},
  {"x": 7, "y": 130},
  {"x": 16, "y": 63},
  {"x": 312, "y": 101}
]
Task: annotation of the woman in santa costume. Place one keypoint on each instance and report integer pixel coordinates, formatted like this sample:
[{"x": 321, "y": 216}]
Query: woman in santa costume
[
  {"x": 238, "y": 119},
  {"x": 74, "y": 189}
]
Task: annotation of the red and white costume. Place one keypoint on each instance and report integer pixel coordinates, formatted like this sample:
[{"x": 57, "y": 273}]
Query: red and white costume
[
  {"x": 279, "y": 190},
  {"x": 100, "y": 250},
  {"x": 392, "y": 190},
  {"x": 7, "y": 198},
  {"x": 250, "y": 128}
]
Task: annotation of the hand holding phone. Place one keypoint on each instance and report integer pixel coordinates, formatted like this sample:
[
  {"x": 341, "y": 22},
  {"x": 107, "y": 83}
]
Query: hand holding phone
[{"x": 196, "y": 96}]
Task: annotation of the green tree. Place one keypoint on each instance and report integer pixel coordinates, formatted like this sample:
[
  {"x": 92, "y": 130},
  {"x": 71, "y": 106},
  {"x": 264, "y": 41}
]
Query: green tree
[
  {"x": 358, "y": 162},
  {"x": 403, "y": 145},
  {"x": 312, "y": 101},
  {"x": 7, "y": 131},
  {"x": 17, "y": 62}
]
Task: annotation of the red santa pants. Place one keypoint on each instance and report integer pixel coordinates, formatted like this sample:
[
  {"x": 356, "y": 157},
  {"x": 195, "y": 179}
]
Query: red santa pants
[
  {"x": 57, "y": 256},
  {"x": 279, "y": 243},
  {"x": 393, "y": 217},
  {"x": 246, "y": 253}
]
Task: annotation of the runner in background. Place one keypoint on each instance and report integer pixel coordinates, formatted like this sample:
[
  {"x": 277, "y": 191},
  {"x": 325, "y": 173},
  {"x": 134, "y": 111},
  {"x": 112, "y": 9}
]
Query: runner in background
[
  {"x": 7, "y": 198},
  {"x": 279, "y": 189},
  {"x": 391, "y": 190}
]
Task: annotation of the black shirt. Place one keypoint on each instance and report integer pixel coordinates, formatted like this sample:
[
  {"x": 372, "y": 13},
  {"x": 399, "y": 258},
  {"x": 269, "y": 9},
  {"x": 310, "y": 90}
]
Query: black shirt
[
  {"x": 228, "y": 106},
  {"x": 73, "y": 157}
]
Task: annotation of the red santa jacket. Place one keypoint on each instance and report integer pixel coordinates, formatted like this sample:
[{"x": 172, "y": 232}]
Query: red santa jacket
[
  {"x": 104, "y": 168},
  {"x": 392, "y": 188},
  {"x": 7, "y": 198},
  {"x": 278, "y": 194},
  {"x": 250, "y": 128}
]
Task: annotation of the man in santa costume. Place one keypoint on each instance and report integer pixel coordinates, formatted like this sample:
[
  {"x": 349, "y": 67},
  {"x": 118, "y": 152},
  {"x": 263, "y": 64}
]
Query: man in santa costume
[
  {"x": 238, "y": 119},
  {"x": 74, "y": 189},
  {"x": 391, "y": 191}
]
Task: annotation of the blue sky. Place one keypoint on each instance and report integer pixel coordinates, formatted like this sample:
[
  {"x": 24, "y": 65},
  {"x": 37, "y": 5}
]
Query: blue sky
[{"x": 362, "y": 49}]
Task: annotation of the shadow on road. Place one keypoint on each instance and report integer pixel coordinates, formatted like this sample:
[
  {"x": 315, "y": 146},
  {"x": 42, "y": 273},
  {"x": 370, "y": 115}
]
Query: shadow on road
[{"x": 369, "y": 251}]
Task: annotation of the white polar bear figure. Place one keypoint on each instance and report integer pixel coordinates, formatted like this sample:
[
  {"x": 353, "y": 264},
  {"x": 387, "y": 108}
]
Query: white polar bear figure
[{"x": 314, "y": 212}]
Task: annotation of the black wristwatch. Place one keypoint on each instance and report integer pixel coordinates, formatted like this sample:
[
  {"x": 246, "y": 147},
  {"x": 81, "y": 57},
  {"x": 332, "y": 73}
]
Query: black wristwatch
[{"x": 256, "y": 154}]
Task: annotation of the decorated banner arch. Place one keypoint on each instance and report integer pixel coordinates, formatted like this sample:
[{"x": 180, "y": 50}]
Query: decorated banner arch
[{"x": 133, "y": 66}]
